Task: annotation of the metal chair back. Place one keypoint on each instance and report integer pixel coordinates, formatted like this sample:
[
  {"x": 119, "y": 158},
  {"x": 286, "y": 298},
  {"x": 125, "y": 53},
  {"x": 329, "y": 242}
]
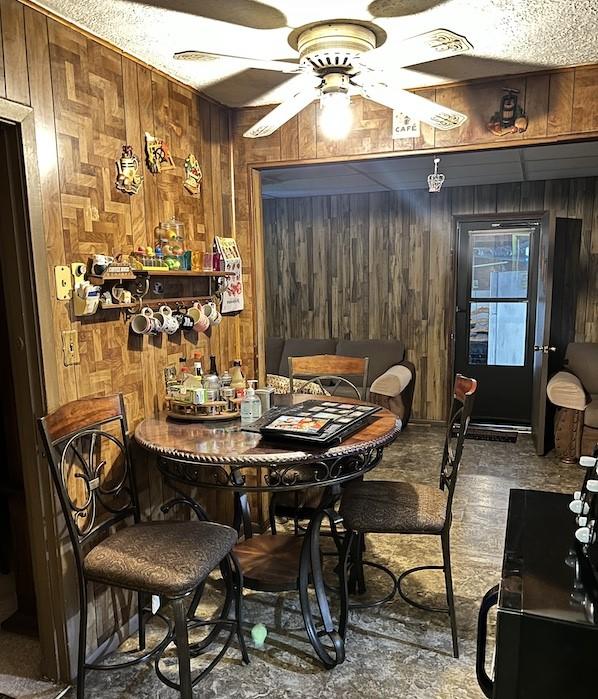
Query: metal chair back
[
  {"x": 330, "y": 368},
  {"x": 86, "y": 443},
  {"x": 458, "y": 423}
]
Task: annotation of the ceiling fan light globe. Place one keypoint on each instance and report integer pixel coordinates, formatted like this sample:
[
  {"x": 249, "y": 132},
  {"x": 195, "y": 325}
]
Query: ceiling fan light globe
[{"x": 336, "y": 116}]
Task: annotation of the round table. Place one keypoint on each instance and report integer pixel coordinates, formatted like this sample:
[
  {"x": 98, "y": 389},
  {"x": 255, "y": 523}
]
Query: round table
[{"x": 223, "y": 456}]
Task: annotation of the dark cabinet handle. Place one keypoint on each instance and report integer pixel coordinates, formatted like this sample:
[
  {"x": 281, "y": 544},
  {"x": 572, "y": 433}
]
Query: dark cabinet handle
[{"x": 489, "y": 601}]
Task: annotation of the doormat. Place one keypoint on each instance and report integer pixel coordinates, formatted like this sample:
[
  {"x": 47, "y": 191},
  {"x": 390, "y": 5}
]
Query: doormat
[{"x": 486, "y": 435}]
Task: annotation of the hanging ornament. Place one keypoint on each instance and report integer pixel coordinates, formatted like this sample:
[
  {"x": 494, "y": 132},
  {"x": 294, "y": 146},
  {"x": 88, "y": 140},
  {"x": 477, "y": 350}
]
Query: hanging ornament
[
  {"x": 436, "y": 179},
  {"x": 158, "y": 154},
  {"x": 193, "y": 174},
  {"x": 128, "y": 177}
]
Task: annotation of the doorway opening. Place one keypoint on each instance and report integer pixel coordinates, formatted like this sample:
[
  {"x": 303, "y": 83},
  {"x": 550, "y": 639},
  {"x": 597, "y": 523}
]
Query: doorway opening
[
  {"x": 495, "y": 315},
  {"x": 29, "y": 558},
  {"x": 516, "y": 283}
]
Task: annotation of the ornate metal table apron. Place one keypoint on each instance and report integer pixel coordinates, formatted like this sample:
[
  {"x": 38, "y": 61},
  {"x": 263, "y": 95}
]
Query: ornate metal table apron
[{"x": 242, "y": 464}]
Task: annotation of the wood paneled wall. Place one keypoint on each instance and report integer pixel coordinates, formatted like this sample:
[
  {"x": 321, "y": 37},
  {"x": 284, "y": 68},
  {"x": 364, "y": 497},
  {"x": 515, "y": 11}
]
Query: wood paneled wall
[
  {"x": 88, "y": 101},
  {"x": 379, "y": 265},
  {"x": 561, "y": 105}
]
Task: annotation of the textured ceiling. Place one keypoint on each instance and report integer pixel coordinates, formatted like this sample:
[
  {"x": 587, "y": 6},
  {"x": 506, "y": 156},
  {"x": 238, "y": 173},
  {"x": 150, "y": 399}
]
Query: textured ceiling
[
  {"x": 472, "y": 168},
  {"x": 521, "y": 35}
]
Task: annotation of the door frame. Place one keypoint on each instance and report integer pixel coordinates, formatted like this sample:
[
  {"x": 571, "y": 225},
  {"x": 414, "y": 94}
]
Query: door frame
[
  {"x": 36, "y": 384},
  {"x": 468, "y": 218}
]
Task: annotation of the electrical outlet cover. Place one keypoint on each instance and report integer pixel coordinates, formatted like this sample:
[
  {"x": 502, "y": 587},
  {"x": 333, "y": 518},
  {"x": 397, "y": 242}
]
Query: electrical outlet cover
[
  {"x": 70, "y": 347},
  {"x": 64, "y": 284}
]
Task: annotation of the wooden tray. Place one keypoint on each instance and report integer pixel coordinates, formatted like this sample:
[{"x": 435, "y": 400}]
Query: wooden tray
[{"x": 191, "y": 417}]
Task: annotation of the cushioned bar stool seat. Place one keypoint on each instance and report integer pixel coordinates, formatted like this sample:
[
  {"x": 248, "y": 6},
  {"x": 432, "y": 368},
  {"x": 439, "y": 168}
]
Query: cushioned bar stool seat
[
  {"x": 166, "y": 558},
  {"x": 394, "y": 508},
  {"x": 87, "y": 445}
]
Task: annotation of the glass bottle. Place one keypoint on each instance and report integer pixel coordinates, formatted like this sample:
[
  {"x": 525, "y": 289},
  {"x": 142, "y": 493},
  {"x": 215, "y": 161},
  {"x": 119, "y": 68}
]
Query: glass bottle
[{"x": 238, "y": 380}]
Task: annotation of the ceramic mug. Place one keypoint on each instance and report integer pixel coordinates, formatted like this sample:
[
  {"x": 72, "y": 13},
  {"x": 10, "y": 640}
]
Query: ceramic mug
[
  {"x": 184, "y": 320},
  {"x": 169, "y": 324},
  {"x": 99, "y": 264},
  {"x": 217, "y": 319},
  {"x": 209, "y": 310},
  {"x": 144, "y": 322},
  {"x": 201, "y": 322}
]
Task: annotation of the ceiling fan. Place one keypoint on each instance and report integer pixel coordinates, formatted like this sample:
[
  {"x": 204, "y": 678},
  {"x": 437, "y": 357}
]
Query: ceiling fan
[{"x": 337, "y": 59}]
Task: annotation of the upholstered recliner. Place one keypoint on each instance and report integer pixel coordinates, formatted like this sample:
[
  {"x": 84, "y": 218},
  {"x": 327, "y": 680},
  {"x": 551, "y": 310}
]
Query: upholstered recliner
[{"x": 574, "y": 392}]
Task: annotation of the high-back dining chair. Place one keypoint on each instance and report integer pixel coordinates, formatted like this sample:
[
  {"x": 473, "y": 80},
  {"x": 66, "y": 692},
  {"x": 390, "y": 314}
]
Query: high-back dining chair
[
  {"x": 329, "y": 372},
  {"x": 390, "y": 507},
  {"x": 86, "y": 443}
]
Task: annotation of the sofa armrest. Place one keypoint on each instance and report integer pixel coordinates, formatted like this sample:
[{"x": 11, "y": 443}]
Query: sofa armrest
[
  {"x": 565, "y": 391},
  {"x": 400, "y": 404},
  {"x": 393, "y": 381}
]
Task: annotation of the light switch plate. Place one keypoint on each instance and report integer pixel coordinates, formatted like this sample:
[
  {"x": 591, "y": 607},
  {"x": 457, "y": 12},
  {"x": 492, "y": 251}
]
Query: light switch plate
[
  {"x": 64, "y": 282},
  {"x": 70, "y": 347}
]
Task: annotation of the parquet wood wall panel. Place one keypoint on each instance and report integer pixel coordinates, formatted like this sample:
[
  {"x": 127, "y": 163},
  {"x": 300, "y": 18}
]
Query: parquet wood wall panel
[
  {"x": 561, "y": 104},
  {"x": 380, "y": 265},
  {"x": 88, "y": 101}
]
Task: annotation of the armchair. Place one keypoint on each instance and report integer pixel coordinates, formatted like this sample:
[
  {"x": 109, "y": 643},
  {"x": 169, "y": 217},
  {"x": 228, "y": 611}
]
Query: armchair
[{"x": 574, "y": 392}]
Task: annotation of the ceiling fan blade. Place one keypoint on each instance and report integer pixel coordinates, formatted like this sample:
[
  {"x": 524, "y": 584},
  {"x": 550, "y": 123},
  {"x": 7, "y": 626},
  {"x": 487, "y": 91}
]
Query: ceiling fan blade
[
  {"x": 415, "y": 106},
  {"x": 285, "y": 111},
  {"x": 262, "y": 64},
  {"x": 430, "y": 46}
]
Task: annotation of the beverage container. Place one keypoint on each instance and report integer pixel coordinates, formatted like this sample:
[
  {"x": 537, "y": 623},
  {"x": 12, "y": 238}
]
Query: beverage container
[
  {"x": 251, "y": 405},
  {"x": 237, "y": 378}
]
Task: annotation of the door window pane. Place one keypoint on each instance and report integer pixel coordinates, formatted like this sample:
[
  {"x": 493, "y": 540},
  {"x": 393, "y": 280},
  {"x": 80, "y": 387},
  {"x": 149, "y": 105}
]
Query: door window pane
[
  {"x": 497, "y": 333},
  {"x": 500, "y": 263}
]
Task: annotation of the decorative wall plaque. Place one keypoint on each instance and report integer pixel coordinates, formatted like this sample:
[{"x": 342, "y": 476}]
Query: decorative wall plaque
[
  {"x": 158, "y": 154},
  {"x": 193, "y": 174},
  {"x": 128, "y": 177}
]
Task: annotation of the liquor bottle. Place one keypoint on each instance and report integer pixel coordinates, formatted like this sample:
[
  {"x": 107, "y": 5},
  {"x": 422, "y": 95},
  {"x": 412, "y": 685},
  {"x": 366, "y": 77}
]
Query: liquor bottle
[
  {"x": 213, "y": 367},
  {"x": 238, "y": 380}
]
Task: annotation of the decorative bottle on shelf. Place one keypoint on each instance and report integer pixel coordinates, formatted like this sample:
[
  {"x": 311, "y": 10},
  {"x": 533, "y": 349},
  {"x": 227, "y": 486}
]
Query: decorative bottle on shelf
[
  {"x": 211, "y": 381},
  {"x": 251, "y": 405},
  {"x": 216, "y": 258},
  {"x": 238, "y": 380}
]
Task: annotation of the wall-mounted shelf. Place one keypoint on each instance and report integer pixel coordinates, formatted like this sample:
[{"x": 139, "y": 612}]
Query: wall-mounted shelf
[
  {"x": 183, "y": 301},
  {"x": 180, "y": 273}
]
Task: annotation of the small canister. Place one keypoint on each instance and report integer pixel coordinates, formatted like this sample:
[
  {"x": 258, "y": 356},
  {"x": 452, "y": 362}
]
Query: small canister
[
  {"x": 228, "y": 394},
  {"x": 265, "y": 396}
]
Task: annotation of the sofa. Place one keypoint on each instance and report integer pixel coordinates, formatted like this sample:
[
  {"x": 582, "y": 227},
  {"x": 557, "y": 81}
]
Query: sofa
[
  {"x": 391, "y": 378},
  {"x": 574, "y": 392}
]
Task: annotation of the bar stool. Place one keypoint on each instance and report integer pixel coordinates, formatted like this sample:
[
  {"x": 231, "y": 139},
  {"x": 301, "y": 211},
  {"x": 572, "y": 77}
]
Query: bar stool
[
  {"x": 389, "y": 507},
  {"x": 333, "y": 370},
  {"x": 86, "y": 443}
]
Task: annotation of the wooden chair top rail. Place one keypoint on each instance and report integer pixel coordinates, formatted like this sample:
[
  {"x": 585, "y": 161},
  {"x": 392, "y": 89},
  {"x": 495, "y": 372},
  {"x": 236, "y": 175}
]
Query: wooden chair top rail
[
  {"x": 82, "y": 414},
  {"x": 464, "y": 387},
  {"x": 327, "y": 364}
]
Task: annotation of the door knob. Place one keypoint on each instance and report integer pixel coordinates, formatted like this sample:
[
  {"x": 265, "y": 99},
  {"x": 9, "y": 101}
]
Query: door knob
[{"x": 545, "y": 349}]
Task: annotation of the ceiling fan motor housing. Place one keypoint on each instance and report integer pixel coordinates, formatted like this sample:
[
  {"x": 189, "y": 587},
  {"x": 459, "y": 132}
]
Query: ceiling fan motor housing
[{"x": 334, "y": 46}]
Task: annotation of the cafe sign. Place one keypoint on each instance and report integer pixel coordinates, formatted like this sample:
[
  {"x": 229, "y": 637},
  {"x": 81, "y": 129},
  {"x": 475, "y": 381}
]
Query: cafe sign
[{"x": 404, "y": 126}]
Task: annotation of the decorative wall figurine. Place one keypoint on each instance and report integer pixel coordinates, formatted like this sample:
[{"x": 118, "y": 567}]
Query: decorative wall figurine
[
  {"x": 510, "y": 117},
  {"x": 158, "y": 154},
  {"x": 128, "y": 177},
  {"x": 193, "y": 174}
]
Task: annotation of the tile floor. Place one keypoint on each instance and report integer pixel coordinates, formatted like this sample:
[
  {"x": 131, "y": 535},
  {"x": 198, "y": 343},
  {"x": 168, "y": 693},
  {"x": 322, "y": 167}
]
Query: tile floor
[{"x": 396, "y": 650}]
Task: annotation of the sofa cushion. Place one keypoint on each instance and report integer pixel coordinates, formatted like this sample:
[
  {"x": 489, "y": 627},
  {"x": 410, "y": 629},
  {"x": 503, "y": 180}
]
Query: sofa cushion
[
  {"x": 274, "y": 347},
  {"x": 582, "y": 359},
  {"x": 298, "y": 347},
  {"x": 382, "y": 354},
  {"x": 590, "y": 416}
]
